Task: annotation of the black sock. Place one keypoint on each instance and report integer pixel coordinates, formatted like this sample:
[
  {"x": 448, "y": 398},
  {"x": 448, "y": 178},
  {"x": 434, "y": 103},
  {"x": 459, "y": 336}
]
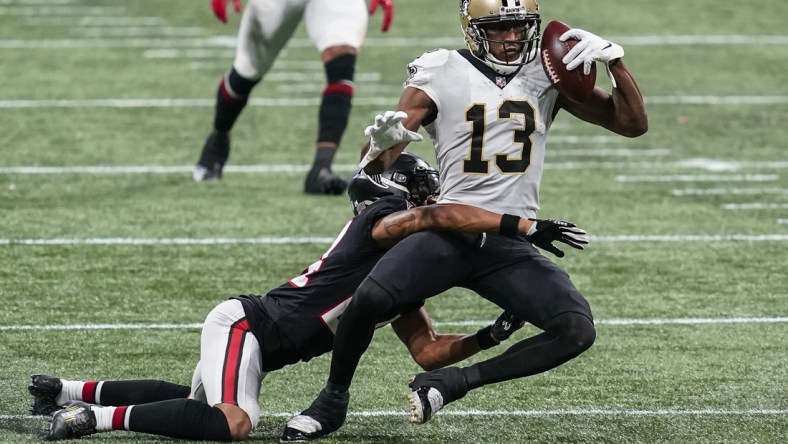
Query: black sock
[
  {"x": 336, "y": 101},
  {"x": 324, "y": 157},
  {"x": 231, "y": 98},
  {"x": 180, "y": 418},
  {"x": 336, "y": 389},
  {"x": 140, "y": 392}
]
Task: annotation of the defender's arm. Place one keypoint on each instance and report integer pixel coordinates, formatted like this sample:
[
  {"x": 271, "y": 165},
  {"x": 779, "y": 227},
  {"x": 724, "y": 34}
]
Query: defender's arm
[{"x": 443, "y": 217}]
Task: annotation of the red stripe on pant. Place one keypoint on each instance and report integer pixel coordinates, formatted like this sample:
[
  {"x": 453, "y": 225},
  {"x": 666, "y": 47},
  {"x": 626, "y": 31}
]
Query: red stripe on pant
[
  {"x": 89, "y": 392},
  {"x": 119, "y": 418},
  {"x": 232, "y": 361}
]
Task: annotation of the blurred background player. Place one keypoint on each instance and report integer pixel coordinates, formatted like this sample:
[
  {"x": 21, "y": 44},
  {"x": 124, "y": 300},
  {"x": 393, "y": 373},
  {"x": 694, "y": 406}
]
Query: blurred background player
[{"x": 337, "y": 28}]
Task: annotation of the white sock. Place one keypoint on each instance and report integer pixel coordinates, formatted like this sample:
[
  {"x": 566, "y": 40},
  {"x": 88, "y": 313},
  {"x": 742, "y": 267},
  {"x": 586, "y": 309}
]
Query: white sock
[
  {"x": 103, "y": 417},
  {"x": 112, "y": 418},
  {"x": 71, "y": 391}
]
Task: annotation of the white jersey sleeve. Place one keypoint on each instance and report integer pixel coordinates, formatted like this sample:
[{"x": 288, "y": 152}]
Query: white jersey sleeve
[{"x": 489, "y": 134}]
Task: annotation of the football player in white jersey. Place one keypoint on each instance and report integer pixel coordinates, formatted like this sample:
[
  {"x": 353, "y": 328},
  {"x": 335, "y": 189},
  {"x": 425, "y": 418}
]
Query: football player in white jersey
[
  {"x": 337, "y": 28},
  {"x": 487, "y": 109}
]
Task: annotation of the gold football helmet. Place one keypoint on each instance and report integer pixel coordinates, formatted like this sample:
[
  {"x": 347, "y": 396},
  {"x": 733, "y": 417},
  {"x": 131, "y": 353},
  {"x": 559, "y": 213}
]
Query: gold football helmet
[{"x": 477, "y": 15}]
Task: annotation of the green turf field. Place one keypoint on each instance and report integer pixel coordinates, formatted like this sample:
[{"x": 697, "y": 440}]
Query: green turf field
[{"x": 110, "y": 256}]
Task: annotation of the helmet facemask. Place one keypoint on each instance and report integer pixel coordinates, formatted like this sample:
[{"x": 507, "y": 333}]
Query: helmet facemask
[
  {"x": 410, "y": 178},
  {"x": 478, "y": 17},
  {"x": 424, "y": 184}
]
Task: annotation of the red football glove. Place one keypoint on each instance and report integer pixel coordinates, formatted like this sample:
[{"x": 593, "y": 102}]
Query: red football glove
[
  {"x": 388, "y": 11},
  {"x": 220, "y": 8}
]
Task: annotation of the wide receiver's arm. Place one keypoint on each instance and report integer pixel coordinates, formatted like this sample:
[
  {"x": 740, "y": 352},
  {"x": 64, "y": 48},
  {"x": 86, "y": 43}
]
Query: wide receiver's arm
[
  {"x": 442, "y": 217},
  {"x": 622, "y": 111},
  {"x": 428, "y": 348},
  {"x": 419, "y": 106}
]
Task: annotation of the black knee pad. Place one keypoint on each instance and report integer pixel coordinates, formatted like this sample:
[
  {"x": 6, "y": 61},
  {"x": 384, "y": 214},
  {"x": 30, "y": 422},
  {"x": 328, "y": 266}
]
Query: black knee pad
[
  {"x": 372, "y": 300},
  {"x": 576, "y": 330}
]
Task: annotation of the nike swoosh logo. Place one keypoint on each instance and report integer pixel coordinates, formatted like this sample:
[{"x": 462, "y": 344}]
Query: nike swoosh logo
[{"x": 608, "y": 46}]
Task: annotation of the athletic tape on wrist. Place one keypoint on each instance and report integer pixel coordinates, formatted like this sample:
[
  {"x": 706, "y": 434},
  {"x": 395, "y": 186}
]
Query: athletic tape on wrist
[{"x": 509, "y": 225}]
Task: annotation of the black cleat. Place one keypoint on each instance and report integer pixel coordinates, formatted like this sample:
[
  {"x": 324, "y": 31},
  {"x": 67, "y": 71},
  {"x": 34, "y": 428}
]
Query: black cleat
[
  {"x": 74, "y": 421},
  {"x": 431, "y": 391},
  {"x": 326, "y": 415},
  {"x": 323, "y": 181},
  {"x": 214, "y": 155},
  {"x": 44, "y": 389}
]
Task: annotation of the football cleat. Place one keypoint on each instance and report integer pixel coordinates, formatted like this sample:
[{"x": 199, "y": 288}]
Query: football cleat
[
  {"x": 44, "y": 389},
  {"x": 323, "y": 181},
  {"x": 431, "y": 391},
  {"x": 326, "y": 414},
  {"x": 214, "y": 155},
  {"x": 424, "y": 402},
  {"x": 74, "y": 421}
]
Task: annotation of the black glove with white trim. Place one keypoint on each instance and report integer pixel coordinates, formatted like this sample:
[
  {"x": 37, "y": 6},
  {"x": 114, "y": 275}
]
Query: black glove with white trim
[
  {"x": 500, "y": 330},
  {"x": 546, "y": 231}
]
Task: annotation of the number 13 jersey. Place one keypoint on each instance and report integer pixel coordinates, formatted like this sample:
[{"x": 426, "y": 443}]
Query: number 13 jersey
[{"x": 490, "y": 131}]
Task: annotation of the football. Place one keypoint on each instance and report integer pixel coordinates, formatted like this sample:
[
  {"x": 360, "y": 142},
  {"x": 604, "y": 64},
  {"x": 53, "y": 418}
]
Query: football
[{"x": 573, "y": 84}]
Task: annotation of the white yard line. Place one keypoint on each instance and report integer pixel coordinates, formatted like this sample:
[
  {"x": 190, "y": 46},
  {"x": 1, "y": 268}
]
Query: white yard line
[
  {"x": 468, "y": 323},
  {"x": 113, "y": 31},
  {"x": 36, "y": 2},
  {"x": 698, "y": 178},
  {"x": 59, "y": 10},
  {"x": 95, "y": 20},
  {"x": 705, "y": 238},
  {"x": 374, "y": 42},
  {"x": 582, "y": 139},
  {"x": 782, "y": 221},
  {"x": 450, "y": 411},
  {"x": 164, "y": 169},
  {"x": 727, "y": 191},
  {"x": 368, "y": 101},
  {"x": 288, "y": 240},
  {"x": 755, "y": 206},
  {"x": 550, "y": 165},
  {"x": 170, "y": 241}
]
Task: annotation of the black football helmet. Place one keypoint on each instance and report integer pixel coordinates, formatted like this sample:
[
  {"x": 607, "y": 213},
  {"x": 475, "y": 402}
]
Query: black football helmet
[{"x": 410, "y": 177}]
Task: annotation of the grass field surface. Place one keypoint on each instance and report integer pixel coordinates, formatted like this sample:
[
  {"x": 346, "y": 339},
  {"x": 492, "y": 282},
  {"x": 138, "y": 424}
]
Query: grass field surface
[{"x": 110, "y": 256}]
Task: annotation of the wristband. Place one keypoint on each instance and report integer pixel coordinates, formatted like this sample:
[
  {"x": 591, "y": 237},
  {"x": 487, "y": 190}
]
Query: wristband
[
  {"x": 508, "y": 226},
  {"x": 485, "y": 339}
]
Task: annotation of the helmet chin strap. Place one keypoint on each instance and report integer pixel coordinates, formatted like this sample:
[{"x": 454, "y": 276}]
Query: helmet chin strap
[{"x": 501, "y": 67}]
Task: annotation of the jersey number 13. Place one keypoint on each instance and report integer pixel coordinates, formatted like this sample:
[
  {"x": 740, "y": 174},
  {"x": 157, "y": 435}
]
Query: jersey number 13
[{"x": 475, "y": 115}]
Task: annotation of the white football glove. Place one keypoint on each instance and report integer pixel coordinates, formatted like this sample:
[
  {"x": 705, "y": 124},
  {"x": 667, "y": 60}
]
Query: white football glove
[
  {"x": 590, "y": 48},
  {"x": 385, "y": 133}
]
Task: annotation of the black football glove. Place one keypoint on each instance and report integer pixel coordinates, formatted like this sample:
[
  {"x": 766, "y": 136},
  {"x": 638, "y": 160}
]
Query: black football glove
[
  {"x": 504, "y": 326},
  {"x": 545, "y": 231},
  {"x": 499, "y": 330}
]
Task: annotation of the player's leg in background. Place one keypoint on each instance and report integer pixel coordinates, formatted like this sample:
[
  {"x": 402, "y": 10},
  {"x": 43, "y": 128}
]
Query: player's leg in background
[
  {"x": 266, "y": 26},
  {"x": 337, "y": 29},
  {"x": 223, "y": 404}
]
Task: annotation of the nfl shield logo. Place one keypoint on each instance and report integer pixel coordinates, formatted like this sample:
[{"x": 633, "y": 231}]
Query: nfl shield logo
[{"x": 500, "y": 81}]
